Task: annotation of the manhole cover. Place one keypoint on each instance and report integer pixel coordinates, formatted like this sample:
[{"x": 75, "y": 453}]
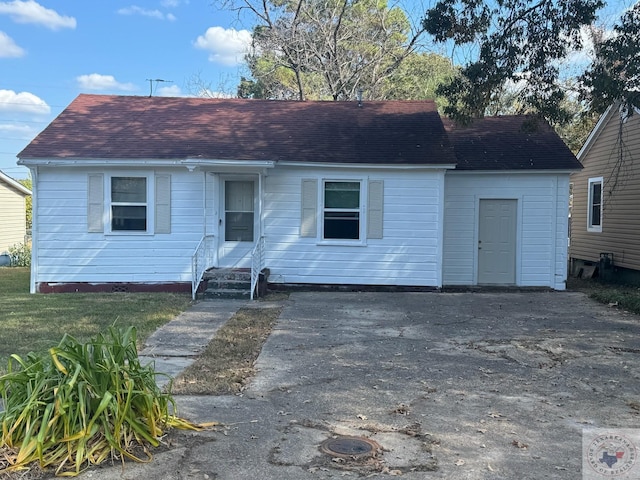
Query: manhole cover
[{"x": 350, "y": 447}]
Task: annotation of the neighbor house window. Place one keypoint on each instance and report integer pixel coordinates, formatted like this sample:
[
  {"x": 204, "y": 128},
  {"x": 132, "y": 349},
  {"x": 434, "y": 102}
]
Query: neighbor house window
[
  {"x": 341, "y": 214},
  {"x": 129, "y": 204},
  {"x": 594, "y": 215}
]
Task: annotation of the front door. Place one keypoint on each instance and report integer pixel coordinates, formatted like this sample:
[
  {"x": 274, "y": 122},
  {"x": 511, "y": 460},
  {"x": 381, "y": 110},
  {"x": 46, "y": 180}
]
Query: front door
[
  {"x": 497, "y": 242},
  {"x": 237, "y": 223}
]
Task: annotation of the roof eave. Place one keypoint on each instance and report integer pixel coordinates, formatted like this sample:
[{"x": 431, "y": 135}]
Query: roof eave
[
  {"x": 190, "y": 163},
  {"x": 392, "y": 166},
  {"x": 13, "y": 183},
  {"x": 521, "y": 171}
]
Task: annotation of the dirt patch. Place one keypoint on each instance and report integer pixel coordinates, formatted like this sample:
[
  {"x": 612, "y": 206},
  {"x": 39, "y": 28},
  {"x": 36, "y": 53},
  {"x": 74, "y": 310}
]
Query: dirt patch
[{"x": 226, "y": 365}]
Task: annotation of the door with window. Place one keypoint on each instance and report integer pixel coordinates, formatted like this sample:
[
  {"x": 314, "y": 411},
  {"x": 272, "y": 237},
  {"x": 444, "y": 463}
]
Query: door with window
[
  {"x": 237, "y": 222},
  {"x": 497, "y": 234}
]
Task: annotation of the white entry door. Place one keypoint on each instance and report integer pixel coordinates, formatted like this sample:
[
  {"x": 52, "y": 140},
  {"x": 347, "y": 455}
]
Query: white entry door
[
  {"x": 237, "y": 223},
  {"x": 497, "y": 242}
]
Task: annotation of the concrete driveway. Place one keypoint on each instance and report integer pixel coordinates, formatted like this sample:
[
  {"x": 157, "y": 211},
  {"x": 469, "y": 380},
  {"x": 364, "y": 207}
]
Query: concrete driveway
[{"x": 448, "y": 385}]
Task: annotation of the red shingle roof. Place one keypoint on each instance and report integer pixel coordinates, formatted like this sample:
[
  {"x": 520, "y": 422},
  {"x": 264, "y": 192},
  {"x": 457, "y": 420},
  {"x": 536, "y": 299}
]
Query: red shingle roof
[
  {"x": 509, "y": 143},
  {"x": 129, "y": 127},
  {"x": 391, "y": 133}
]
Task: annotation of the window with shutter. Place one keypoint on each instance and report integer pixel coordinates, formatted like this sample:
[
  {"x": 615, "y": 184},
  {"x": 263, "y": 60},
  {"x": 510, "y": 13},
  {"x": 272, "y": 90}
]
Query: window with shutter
[{"x": 342, "y": 209}]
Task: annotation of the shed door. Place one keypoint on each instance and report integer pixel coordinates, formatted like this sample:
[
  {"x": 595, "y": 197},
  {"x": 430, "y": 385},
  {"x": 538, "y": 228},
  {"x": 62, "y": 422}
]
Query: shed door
[{"x": 497, "y": 242}]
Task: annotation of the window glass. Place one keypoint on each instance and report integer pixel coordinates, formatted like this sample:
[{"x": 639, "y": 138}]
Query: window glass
[
  {"x": 129, "y": 189},
  {"x": 128, "y": 218},
  {"x": 595, "y": 203},
  {"x": 594, "y": 222},
  {"x": 129, "y": 204},
  {"x": 342, "y": 195},
  {"x": 239, "y": 214},
  {"x": 342, "y": 210}
]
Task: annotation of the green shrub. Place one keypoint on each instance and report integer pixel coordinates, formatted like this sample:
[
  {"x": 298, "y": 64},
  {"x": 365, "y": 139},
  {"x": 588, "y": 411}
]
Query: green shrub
[
  {"x": 82, "y": 404},
  {"x": 20, "y": 255}
]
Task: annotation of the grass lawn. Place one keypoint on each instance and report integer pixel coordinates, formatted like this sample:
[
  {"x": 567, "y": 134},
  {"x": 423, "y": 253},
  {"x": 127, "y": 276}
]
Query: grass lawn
[
  {"x": 626, "y": 297},
  {"x": 34, "y": 323}
]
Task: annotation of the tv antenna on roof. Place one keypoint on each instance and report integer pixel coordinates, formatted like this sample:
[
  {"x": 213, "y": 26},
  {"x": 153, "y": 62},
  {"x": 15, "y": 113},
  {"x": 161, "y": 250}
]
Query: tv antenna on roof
[{"x": 157, "y": 80}]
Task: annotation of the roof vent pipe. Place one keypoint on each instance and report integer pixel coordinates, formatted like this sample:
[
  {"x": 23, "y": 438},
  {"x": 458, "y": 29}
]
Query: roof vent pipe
[{"x": 360, "y": 97}]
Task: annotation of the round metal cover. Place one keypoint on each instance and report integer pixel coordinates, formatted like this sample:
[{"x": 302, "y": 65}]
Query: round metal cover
[{"x": 350, "y": 447}]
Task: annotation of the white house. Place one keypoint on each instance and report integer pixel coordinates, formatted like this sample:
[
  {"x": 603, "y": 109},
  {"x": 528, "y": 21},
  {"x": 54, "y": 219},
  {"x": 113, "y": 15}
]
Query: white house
[{"x": 148, "y": 193}]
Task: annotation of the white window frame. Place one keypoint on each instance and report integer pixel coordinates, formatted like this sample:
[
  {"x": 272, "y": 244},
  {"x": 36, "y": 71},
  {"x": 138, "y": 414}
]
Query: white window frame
[
  {"x": 149, "y": 203},
  {"x": 590, "y": 226},
  {"x": 361, "y": 240}
]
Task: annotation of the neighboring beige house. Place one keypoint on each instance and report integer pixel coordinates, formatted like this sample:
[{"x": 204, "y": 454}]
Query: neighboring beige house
[
  {"x": 13, "y": 228},
  {"x": 605, "y": 223}
]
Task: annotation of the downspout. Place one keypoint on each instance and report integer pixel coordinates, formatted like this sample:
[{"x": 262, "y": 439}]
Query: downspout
[{"x": 34, "y": 229}]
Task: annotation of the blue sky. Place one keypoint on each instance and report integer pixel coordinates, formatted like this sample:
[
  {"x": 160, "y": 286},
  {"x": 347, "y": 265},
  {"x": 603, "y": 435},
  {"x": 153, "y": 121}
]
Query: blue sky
[{"x": 53, "y": 50}]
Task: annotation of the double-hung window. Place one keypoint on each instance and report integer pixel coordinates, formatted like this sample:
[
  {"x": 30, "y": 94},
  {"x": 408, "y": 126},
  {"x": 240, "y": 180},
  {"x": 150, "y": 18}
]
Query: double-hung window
[
  {"x": 342, "y": 212},
  {"x": 129, "y": 204},
  {"x": 348, "y": 212},
  {"x": 594, "y": 214}
]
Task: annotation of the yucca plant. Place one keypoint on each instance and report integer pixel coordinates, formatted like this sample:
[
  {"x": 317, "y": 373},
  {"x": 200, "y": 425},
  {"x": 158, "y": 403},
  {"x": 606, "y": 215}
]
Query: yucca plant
[{"x": 81, "y": 404}]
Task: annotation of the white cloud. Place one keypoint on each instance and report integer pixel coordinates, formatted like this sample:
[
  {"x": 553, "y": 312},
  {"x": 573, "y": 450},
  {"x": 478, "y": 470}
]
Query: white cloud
[
  {"x": 170, "y": 91},
  {"x": 8, "y": 48},
  {"x": 225, "y": 46},
  {"x": 95, "y": 81},
  {"x": 23, "y": 102},
  {"x": 17, "y": 130},
  {"x": 135, "y": 10},
  {"x": 173, "y": 3},
  {"x": 30, "y": 11}
]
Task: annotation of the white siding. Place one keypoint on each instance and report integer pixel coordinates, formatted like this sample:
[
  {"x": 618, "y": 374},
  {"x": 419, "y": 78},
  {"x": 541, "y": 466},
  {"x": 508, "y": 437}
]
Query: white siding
[
  {"x": 541, "y": 256},
  {"x": 68, "y": 253},
  {"x": 12, "y": 217},
  {"x": 407, "y": 253}
]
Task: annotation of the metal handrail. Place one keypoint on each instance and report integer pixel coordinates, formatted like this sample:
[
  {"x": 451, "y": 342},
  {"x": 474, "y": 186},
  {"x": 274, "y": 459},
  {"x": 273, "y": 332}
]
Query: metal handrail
[
  {"x": 257, "y": 264},
  {"x": 201, "y": 260}
]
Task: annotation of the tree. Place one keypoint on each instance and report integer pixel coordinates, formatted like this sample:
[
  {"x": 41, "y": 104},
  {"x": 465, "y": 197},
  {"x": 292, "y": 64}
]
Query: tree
[
  {"x": 615, "y": 72},
  {"x": 517, "y": 42},
  {"x": 326, "y": 48},
  {"x": 26, "y": 182},
  {"x": 418, "y": 78}
]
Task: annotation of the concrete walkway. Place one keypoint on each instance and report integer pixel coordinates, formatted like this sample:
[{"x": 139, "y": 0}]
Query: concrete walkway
[{"x": 174, "y": 346}]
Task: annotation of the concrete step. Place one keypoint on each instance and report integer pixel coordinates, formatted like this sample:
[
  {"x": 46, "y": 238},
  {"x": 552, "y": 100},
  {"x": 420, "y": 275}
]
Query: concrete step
[
  {"x": 227, "y": 293},
  {"x": 223, "y": 274},
  {"x": 229, "y": 284}
]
